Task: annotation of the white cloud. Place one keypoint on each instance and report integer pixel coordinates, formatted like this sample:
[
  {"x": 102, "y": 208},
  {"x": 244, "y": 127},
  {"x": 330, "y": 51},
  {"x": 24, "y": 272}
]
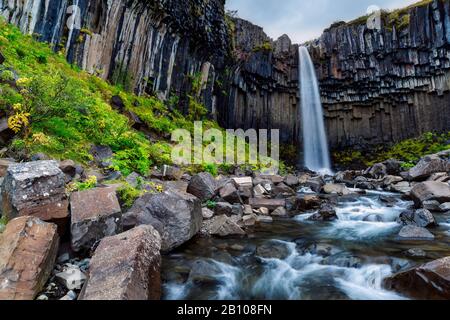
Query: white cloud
[{"x": 304, "y": 20}]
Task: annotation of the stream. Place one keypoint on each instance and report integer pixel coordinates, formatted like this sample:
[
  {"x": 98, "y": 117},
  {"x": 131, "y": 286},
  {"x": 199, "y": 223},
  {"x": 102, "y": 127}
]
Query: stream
[{"x": 297, "y": 259}]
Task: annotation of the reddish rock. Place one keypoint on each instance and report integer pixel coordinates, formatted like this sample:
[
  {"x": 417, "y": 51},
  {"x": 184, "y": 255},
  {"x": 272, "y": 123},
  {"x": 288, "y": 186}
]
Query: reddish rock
[
  {"x": 96, "y": 214},
  {"x": 429, "y": 281},
  {"x": 28, "y": 249},
  {"x": 271, "y": 204},
  {"x": 126, "y": 267}
]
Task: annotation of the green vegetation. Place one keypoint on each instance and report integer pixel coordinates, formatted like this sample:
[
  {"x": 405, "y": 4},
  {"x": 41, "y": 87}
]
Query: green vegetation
[
  {"x": 265, "y": 47},
  {"x": 89, "y": 183},
  {"x": 59, "y": 110},
  {"x": 410, "y": 151},
  {"x": 399, "y": 18},
  {"x": 128, "y": 194},
  {"x": 211, "y": 204}
]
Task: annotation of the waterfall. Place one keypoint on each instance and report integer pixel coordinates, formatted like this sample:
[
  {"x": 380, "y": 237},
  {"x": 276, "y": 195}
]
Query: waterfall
[{"x": 316, "y": 154}]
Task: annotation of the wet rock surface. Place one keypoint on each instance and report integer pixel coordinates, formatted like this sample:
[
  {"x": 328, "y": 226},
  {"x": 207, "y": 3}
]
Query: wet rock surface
[
  {"x": 131, "y": 261},
  {"x": 177, "y": 216},
  {"x": 28, "y": 249}
]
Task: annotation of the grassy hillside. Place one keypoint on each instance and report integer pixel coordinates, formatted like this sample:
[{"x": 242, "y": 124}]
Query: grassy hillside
[{"x": 61, "y": 111}]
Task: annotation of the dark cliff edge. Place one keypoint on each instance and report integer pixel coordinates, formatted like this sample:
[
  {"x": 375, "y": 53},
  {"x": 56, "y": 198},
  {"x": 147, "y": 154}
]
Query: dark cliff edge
[{"x": 383, "y": 86}]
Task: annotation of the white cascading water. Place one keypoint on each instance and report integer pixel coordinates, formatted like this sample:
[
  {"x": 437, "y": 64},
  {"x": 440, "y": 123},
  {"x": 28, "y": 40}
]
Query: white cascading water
[{"x": 316, "y": 153}]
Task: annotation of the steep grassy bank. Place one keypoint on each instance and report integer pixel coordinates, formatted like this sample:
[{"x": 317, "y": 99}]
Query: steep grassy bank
[
  {"x": 410, "y": 151},
  {"x": 56, "y": 109}
]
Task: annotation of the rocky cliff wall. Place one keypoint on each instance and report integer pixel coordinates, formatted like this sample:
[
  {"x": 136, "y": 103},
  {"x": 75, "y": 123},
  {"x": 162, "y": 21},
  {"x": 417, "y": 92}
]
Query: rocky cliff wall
[
  {"x": 380, "y": 86},
  {"x": 261, "y": 85},
  {"x": 152, "y": 46}
]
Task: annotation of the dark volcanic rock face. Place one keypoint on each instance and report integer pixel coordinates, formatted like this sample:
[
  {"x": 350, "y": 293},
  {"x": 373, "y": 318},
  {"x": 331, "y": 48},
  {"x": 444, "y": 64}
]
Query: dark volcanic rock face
[
  {"x": 151, "y": 46},
  {"x": 386, "y": 85},
  {"x": 261, "y": 85}
]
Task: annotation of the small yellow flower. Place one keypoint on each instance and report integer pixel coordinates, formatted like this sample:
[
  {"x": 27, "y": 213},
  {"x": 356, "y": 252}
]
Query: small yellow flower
[{"x": 23, "y": 82}]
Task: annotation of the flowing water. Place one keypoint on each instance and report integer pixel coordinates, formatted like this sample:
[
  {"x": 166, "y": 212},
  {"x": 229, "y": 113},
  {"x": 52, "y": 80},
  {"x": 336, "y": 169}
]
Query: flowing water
[
  {"x": 316, "y": 153},
  {"x": 345, "y": 259}
]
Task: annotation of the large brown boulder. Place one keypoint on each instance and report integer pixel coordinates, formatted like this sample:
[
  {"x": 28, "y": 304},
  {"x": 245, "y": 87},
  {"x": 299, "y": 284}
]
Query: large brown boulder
[
  {"x": 35, "y": 189},
  {"x": 96, "y": 214},
  {"x": 203, "y": 186},
  {"x": 430, "y": 190},
  {"x": 126, "y": 267},
  {"x": 271, "y": 204},
  {"x": 427, "y": 166},
  {"x": 222, "y": 226},
  {"x": 176, "y": 215},
  {"x": 429, "y": 281},
  {"x": 28, "y": 249}
]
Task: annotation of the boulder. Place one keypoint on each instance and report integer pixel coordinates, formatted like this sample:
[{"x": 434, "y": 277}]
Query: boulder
[
  {"x": 237, "y": 209},
  {"x": 390, "y": 180},
  {"x": 203, "y": 186},
  {"x": 282, "y": 190},
  {"x": 205, "y": 272},
  {"x": 427, "y": 166},
  {"x": 280, "y": 212},
  {"x": 35, "y": 189},
  {"x": 308, "y": 202},
  {"x": 339, "y": 189},
  {"x": 275, "y": 179},
  {"x": 430, "y": 190},
  {"x": 326, "y": 213},
  {"x": 245, "y": 193},
  {"x": 102, "y": 155},
  {"x": 420, "y": 218},
  {"x": 222, "y": 226},
  {"x": 71, "y": 277},
  {"x": 172, "y": 173},
  {"x": 244, "y": 182},
  {"x": 249, "y": 210},
  {"x": 273, "y": 250},
  {"x": 263, "y": 211},
  {"x": 393, "y": 167},
  {"x": 291, "y": 181},
  {"x": 270, "y": 204},
  {"x": 126, "y": 267},
  {"x": 28, "y": 249},
  {"x": 415, "y": 233},
  {"x": 95, "y": 214},
  {"x": 377, "y": 171},
  {"x": 229, "y": 193},
  {"x": 177, "y": 216},
  {"x": 249, "y": 220},
  {"x": 259, "y": 191},
  {"x": 69, "y": 167},
  {"x": 207, "y": 213},
  {"x": 445, "y": 207},
  {"x": 432, "y": 205},
  {"x": 430, "y": 281},
  {"x": 401, "y": 187},
  {"x": 223, "y": 208},
  {"x": 315, "y": 183}
]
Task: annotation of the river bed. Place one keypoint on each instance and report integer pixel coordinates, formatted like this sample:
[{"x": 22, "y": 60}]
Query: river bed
[{"x": 296, "y": 259}]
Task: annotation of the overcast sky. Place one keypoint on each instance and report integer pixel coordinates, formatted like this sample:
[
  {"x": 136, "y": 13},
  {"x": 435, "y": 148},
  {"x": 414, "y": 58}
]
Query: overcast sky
[{"x": 305, "y": 20}]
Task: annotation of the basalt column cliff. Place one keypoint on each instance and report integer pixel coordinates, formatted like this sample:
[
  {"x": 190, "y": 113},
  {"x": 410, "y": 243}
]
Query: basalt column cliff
[
  {"x": 154, "y": 46},
  {"x": 380, "y": 86},
  {"x": 377, "y": 85}
]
